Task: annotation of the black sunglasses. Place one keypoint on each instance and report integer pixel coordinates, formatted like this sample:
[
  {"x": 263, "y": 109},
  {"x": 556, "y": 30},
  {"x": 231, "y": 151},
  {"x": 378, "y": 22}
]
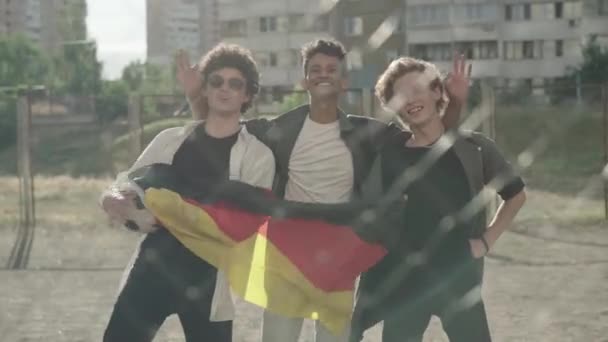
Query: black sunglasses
[{"x": 217, "y": 81}]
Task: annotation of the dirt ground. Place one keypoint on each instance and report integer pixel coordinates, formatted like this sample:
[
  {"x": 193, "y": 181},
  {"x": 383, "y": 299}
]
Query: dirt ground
[{"x": 535, "y": 289}]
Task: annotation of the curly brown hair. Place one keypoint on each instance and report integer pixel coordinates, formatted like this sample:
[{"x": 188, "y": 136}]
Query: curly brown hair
[
  {"x": 327, "y": 47},
  {"x": 398, "y": 68},
  {"x": 237, "y": 57}
]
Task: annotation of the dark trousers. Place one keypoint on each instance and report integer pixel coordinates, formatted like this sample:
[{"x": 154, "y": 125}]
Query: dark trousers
[
  {"x": 454, "y": 297},
  {"x": 166, "y": 279},
  {"x": 467, "y": 325}
]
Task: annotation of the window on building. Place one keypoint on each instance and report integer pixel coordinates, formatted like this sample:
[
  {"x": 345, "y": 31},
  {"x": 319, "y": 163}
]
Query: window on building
[
  {"x": 559, "y": 48},
  {"x": 294, "y": 57},
  {"x": 353, "y": 26},
  {"x": 543, "y": 11},
  {"x": 518, "y": 12},
  {"x": 572, "y": 47},
  {"x": 419, "y": 51},
  {"x": 465, "y": 48},
  {"x": 559, "y": 10},
  {"x": 602, "y": 7},
  {"x": 473, "y": 12},
  {"x": 512, "y": 50},
  {"x": 355, "y": 59},
  {"x": 432, "y": 52},
  {"x": 528, "y": 49},
  {"x": 233, "y": 28},
  {"x": 391, "y": 55},
  {"x": 272, "y": 59},
  {"x": 476, "y": 12},
  {"x": 439, "y": 52},
  {"x": 486, "y": 50},
  {"x": 572, "y": 9},
  {"x": 320, "y": 23},
  {"x": 428, "y": 14},
  {"x": 262, "y": 58},
  {"x": 297, "y": 22},
  {"x": 268, "y": 24}
]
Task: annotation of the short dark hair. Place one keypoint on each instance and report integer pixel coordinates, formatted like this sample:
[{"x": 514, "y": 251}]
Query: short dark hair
[
  {"x": 237, "y": 57},
  {"x": 402, "y": 66},
  {"x": 329, "y": 47}
]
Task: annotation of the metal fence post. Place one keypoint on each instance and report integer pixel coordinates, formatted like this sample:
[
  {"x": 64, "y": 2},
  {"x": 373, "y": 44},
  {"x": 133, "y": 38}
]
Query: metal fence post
[
  {"x": 488, "y": 127},
  {"x": 24, "y": 142},
  {"x": 21, "y": 249},
  {"x": 135, "y": 128},
  {"x": 605, "y": 136}
]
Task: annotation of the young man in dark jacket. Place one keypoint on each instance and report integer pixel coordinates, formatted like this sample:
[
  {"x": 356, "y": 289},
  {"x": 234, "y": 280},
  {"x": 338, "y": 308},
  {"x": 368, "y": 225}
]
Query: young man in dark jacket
[{"x": 443, "y": 174}]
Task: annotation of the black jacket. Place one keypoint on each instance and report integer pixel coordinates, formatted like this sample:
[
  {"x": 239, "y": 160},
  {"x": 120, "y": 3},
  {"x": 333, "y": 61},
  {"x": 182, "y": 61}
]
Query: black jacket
[{"x": 363, "y": 137}]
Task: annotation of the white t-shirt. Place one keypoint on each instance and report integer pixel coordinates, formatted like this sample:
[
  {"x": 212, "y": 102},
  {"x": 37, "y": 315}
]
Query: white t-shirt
[{"x": 320, "y": 166}]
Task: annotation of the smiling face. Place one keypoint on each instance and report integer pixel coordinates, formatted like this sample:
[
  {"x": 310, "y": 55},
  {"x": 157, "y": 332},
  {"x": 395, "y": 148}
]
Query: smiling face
[
  {"x": 226, "y": 91},
  {"x": 415, "y": 100},
  {"x": 324, "y": 77}
]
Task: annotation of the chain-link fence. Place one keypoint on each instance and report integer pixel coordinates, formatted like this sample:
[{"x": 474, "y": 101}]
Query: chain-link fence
[
  {"x": 10, "y": 206},
  {"x": 556, "y": 135}
]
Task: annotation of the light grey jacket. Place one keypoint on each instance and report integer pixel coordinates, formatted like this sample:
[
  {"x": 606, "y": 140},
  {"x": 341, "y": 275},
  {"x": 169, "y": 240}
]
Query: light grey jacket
[{"x": 250, "y": 161}]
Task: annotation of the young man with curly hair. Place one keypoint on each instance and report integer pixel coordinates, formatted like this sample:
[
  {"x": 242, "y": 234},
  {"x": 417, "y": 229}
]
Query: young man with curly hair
[
  {"x": 323, "y": 155},
  {"x": 443, "y": 234},
  {"x": 166, "y": 278}
]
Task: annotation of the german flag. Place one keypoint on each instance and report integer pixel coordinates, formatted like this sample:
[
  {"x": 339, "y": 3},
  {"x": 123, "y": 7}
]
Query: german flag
[{"x": 294, "y": 259}]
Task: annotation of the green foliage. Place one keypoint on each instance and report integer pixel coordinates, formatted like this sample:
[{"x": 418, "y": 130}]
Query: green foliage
[
  {"x": 8, "y": 121},
  {"x": 134, "y": 74},
  {"x": 594, "y": 68},
  {"x": 21, "y": 62},
  {"x": 293, "y": 100},
  {"x": 113, "y": 101},
  {"x": 21, "y": 65},
  {"x": 76, "y": 69}
]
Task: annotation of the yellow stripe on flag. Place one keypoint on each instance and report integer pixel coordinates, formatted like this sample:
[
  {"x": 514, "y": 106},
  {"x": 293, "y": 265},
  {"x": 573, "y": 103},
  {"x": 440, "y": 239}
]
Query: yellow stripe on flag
[
  {"x": 262, "y": 275},
  {"x": 190, "y": 225}
]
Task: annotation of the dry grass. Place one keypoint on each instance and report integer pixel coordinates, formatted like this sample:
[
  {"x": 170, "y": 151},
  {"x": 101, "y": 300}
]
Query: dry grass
[
  {"x": 73, "y": 201},
  {"x": 60, "y": 200}
]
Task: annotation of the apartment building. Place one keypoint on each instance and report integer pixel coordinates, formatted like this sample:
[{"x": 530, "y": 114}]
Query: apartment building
[
  {"x": 510, "y": 41},
  {"x": 372, "y": 32},
  {"x": 180, "y": 24},
  {"x": 48, "y": 23},
  {"x": 274, "y": 30}
]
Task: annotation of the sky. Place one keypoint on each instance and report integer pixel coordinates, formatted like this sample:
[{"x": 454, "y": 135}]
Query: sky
[{"x": 119, "y": 27}]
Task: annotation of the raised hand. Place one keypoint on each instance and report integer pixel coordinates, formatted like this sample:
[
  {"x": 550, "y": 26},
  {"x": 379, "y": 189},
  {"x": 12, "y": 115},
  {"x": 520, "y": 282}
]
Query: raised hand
[
  {"x": 457, "y": 82},
  {"x": 188, "y": 76}
]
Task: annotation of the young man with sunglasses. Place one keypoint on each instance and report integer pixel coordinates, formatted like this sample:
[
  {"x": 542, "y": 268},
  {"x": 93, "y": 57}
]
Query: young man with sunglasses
[
  {"x": 324, "y": 155},
  {"x": 165, "y": 278}
]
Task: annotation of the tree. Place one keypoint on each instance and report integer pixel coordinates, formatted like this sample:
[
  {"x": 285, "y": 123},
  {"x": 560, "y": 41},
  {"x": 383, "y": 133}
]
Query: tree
[
  {"x": 77, "y": 69},
  {"x": 8, "y": 121},
  {"x": 594, "y": 68},
  {"x": 293, "y": 100},
  {"x": 21, "y": 62},
  {"x": 21, "y": 65},
  {"x": 592, "y": 71},
  {"x": 134, "y": 74},
  {"x": 113, "y": 101}
]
